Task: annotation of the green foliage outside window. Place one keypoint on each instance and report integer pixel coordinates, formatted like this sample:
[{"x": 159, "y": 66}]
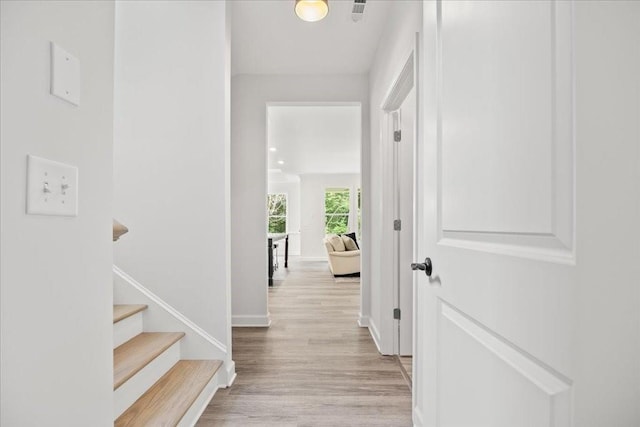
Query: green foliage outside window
[
  {"x": 277, "y": 211},
  {"x": 336, "y": 209}
]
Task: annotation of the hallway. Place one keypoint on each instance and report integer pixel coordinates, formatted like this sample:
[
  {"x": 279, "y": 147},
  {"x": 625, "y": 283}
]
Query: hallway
[{"x": 314, "y": 366}]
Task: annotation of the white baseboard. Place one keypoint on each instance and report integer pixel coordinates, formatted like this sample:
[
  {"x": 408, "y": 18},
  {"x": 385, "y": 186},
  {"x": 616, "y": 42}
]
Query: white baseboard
[
  {"x": 373, "y": 331},
  {"x": 417, "y": 417},
  {"x": 363, "y": 321},
  {"x": 250, "y": 321},
  {"x": 230, "y": 371},
  {"x": 313, "y": 258}
]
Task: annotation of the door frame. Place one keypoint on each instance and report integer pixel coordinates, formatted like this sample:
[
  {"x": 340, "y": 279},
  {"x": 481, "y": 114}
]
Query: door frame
[
  {"x": 405, "y": 80},
  {"x": 365, "y": 287}
]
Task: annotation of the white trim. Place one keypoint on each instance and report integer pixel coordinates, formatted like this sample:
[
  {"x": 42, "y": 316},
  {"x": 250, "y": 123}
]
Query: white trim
[
  {"x": 363, "y": 321},
  {"x": 402, "y": 86},
  {"x": 314, "y": 258},
  {"x": 169, "y": 309},
  {"x": 314, "y": 103},
  {"x": 250, "y": 321},
  {"x": 230, "y": 372},
  {"x": 404, "y": 80},
  {"x": 417, "y": 417},
  {"x": 373, "y": 331}
]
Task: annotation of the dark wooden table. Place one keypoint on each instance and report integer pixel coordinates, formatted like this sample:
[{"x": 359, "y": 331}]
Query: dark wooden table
[{"x": 274, "y": 238}]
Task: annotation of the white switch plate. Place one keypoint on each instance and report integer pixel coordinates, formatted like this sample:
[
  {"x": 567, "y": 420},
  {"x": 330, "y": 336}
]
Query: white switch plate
[
  {"x": 46, "y": 191},
  {"x": 65, "y": 75}
]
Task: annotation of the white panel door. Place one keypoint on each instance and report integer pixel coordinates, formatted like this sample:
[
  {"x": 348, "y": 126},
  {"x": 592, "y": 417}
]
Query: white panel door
[
  {"x": 498, "y": 188},
  {"x": 496, "y": 323}
]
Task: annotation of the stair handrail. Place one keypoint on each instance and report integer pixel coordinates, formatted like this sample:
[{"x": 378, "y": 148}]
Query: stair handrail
[{"x": 118, "y": 230}]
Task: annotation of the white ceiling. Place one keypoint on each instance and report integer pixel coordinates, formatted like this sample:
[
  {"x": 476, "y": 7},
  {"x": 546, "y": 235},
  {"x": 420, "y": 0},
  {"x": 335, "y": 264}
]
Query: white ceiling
[
  {"x": 268, "y": 38},
  {"x": 314, "y": 139}
]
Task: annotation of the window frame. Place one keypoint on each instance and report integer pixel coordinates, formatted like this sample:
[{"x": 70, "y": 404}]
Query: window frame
[
  {"x": 285, "y": 216},
  {"x": 346, "y": 215}
]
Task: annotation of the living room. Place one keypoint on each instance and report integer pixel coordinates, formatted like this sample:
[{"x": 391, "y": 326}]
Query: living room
[{"x": 314, "y": 174}]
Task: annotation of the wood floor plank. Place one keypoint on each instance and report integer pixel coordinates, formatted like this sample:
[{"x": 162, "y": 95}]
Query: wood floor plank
[
  {"x": 314, "y": 366},
  {"x": 166, "y": 402},
  {"x": 138, "y": 352},
  {"x": 122, "y": 311}
]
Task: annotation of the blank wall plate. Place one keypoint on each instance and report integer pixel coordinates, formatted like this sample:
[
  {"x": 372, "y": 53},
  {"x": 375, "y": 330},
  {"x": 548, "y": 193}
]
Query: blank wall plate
[
  {"x": 52, "y": 187},
  {"x": 65, "y": 75}
]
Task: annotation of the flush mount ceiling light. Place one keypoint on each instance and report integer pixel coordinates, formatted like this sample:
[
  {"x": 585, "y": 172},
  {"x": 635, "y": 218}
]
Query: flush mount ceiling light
[{"x": 312, "y": 10}]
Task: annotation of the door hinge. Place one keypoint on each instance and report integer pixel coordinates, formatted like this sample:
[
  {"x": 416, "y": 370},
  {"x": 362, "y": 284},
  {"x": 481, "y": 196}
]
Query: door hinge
[
  {"x": 396, "y": 313},
  {"x": 397, "y": 135},
  {"x": 397, "y": 225}
]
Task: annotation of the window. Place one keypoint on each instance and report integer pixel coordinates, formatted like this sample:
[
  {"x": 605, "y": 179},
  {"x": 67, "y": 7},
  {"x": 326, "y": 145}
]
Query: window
[
  {"x": 336, "y": 210},
  {"x": 277, "y": 211}
]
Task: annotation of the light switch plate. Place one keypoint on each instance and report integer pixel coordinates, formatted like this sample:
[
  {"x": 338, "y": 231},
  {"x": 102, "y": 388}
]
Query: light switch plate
[
  {"x": 65, "y": 75},
  {"x": 52, "y": 187}
]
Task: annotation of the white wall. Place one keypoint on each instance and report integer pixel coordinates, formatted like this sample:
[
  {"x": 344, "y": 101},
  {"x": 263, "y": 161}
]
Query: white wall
[
  {"x": 312, "y": 189},
  {"x": 56, "y": 293},
  {"x": 171, "y": 164},
  {"x": 395, "y": 47},
  {"x": 292, "y": 190},
  {"x": 250, "y": 95}
]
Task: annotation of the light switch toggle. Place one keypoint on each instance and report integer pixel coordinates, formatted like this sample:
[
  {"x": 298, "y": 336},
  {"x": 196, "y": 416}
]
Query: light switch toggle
[
  {"x": 45, "y": 188},
  {"x": 64, "y": 187}
]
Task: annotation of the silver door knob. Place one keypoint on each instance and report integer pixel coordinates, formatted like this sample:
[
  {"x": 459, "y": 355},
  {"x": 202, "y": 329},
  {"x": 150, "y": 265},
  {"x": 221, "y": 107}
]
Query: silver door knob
[{"x": 425, "y": 266}]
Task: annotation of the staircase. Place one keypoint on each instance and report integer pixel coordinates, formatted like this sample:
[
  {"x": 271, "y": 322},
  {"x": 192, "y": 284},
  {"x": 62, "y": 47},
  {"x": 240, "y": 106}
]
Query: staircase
[
  {"x": 152, "y": 385},
  {"x": 155, "y": 382}
]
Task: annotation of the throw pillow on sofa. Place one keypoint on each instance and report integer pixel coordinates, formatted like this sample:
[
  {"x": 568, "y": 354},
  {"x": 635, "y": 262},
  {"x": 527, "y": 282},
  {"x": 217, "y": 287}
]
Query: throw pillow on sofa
[
  {"x": 337, "y": 243},
  {"x": 349, "y": 244},
  {"x": 352, "y": 235}
]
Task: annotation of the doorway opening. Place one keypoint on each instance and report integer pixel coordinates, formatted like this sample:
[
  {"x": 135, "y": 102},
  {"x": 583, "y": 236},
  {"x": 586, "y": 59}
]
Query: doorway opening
[{"x": 313, "y": 179}]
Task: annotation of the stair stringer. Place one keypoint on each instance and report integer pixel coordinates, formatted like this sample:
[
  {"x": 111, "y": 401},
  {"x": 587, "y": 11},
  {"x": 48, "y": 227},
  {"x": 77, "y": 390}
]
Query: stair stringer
[{"x": 160, "y": 317}]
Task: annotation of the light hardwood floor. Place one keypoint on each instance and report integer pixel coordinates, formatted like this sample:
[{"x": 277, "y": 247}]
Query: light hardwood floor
[
  {"x": 314, "y": 366},
  {"x": 407, "y": 368}
]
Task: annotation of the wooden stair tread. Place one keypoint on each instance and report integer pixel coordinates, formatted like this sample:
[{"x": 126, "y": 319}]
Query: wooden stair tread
[
  {"x": 122, "y": 311},
  {"x": 138, "y": 352},
  {"x": 166, "y": 402}
]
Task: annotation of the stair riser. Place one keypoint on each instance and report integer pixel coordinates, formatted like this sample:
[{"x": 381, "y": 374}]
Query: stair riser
[
  {"x": 126, "y": 329},
  {"x": 135, "y": 387},
  {"x": 198, "y": 407}
]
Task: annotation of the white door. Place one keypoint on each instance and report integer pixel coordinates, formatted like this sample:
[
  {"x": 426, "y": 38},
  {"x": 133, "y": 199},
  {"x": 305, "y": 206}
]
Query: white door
[
  {"x": 403, "y": 154},
  {"x": 527, "y": 190}
]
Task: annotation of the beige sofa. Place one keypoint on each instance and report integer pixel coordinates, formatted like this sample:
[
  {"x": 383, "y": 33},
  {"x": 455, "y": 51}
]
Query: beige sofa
[{"x": 342, "y": 262}]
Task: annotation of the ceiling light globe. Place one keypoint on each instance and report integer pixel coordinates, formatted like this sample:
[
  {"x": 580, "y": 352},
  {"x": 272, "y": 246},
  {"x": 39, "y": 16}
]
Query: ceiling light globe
[{"x": 312, "y": 10}]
